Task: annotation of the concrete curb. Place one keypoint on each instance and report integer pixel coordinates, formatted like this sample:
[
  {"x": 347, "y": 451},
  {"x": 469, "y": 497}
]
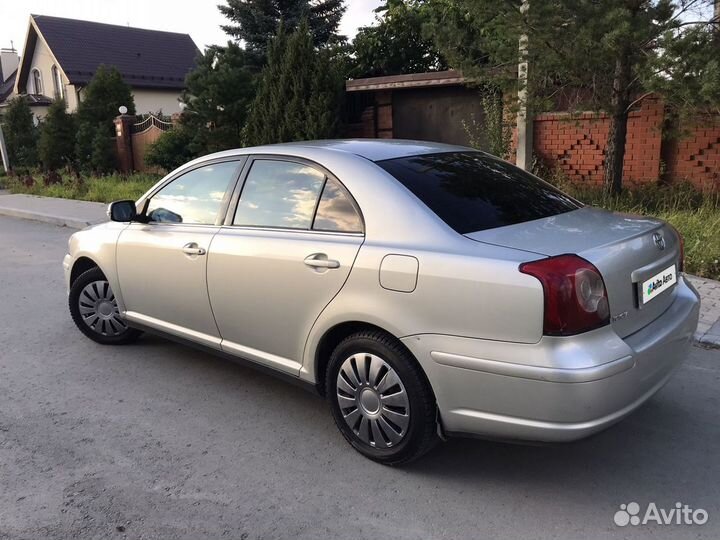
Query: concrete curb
[
  {"x": 70, "y": 222},
  {"x": 711, "y": 338},
  {"x": 61, "y": 212}
]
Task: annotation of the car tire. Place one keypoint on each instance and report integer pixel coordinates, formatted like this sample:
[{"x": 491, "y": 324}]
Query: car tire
[
  {"x": 94, "y": 310},
  {"x": 380, "y": 399}
]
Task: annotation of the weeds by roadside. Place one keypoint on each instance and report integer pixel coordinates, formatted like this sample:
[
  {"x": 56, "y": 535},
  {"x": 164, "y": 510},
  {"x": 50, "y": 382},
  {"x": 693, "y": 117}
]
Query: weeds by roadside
[{"x": 105, "y": 189}]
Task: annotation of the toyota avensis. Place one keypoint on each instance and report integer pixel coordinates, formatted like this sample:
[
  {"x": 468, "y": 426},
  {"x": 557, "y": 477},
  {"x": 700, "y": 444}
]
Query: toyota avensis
[{"x": 426, "y": 290}]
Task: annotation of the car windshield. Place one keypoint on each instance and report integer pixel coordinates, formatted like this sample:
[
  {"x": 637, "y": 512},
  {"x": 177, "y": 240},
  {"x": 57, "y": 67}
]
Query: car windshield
[{"x": 472, "y": 191}]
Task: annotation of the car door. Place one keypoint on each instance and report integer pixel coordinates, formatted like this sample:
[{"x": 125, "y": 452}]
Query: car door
[
  {"x": 162, "y": 263},
  {"x": 283, "y": 254}
]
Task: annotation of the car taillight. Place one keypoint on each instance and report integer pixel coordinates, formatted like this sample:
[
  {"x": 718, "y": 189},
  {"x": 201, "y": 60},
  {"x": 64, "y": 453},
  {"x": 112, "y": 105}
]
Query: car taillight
[
  {"x": 681, "y": 240},
  {"x": 575, "y": 297}
]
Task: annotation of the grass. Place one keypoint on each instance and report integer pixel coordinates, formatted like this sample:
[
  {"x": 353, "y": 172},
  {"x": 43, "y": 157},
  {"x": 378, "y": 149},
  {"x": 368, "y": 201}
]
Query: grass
[
  {"x": 695, "y": 214},
  {"x": 104, "y": 189}
]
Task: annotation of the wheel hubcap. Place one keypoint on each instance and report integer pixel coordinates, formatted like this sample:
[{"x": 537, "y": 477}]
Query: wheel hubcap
[
  {"x": 98, "y": 308},
  {"x": 373, "y": 400}
]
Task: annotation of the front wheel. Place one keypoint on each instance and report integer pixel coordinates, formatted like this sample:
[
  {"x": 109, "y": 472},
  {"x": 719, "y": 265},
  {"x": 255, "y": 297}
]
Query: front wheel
[
  {"x": 380, "y": 398},
  {"x": 95, "y": 312}
]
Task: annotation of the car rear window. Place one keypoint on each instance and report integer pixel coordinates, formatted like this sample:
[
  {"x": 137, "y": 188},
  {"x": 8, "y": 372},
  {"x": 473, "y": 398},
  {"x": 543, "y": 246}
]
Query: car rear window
[{"x": 472, "y": 191}]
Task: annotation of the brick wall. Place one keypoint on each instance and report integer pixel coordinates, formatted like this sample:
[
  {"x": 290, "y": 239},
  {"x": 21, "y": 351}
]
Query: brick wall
[
  {"x": 576, "y": 144},
  {"x": 695, "y": 156}
]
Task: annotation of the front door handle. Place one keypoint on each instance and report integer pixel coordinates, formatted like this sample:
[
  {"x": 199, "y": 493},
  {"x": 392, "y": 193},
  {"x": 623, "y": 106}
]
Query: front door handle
[
  {"x": 320, "y": 260},
  {"x": 193, "y": 249}
]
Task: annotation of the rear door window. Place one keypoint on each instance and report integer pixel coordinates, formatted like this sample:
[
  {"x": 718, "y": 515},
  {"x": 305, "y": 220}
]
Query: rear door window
[{"x": 472, "y": 191}]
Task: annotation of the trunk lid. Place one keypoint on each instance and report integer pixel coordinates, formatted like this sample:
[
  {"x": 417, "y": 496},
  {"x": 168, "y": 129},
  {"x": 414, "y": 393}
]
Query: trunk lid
[{"x": 625, "y": 249}]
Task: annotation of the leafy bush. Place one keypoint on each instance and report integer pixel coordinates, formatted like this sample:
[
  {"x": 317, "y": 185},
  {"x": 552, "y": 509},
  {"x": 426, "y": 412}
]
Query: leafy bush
[
  {"x": 171, "y": 150},
  {"x": 102, "y": 157}
]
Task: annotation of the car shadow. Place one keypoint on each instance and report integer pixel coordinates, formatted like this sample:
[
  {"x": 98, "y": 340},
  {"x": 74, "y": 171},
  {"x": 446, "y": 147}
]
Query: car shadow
[{"x": 631, "y": 457}]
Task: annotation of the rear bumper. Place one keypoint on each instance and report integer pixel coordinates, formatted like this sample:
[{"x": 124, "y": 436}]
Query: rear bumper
[{"x": 558, "y": 389}]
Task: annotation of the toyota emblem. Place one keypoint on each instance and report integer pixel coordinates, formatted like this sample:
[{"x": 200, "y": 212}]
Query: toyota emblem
[{"x": 659, "y": 241}]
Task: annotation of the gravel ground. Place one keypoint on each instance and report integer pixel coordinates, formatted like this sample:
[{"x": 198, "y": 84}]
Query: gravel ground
[{"x": 159, "y": 441}]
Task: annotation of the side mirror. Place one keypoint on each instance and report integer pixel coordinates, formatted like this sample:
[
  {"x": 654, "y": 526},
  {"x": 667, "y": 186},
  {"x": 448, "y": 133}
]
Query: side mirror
[{"x": 122, "y": 211}]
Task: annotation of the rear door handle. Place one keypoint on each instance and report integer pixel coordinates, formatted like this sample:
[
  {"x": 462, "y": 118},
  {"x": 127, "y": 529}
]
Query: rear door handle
[
  {"x": 320, "y": 260},
  {"x": 193, "y": 249}
]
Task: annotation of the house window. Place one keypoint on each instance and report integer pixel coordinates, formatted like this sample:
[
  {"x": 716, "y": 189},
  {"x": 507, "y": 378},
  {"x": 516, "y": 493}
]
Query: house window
[
  {"x": 37, "y": 88},
  {"x": 57, "y": 83}
]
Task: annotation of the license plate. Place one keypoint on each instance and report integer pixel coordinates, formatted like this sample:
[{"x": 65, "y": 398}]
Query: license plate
[{"x": 658, "y": 284}]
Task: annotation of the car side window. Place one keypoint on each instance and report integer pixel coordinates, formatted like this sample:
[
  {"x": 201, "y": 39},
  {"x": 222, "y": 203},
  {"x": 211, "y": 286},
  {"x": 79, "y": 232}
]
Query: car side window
[
  {"x": 336, "y": 212},
  {"x": 195, "y": 197},
  {"x": 279, "y": 194}
]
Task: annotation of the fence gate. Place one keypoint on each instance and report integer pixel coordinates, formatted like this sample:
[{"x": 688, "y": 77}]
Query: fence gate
[{"x": 143, "y": 133}]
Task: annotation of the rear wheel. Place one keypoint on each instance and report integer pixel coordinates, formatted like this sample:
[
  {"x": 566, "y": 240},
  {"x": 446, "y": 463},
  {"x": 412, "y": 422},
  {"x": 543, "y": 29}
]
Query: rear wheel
[
  {"x": 380, "y": 399},
  {"x": 95, "y": 312}
]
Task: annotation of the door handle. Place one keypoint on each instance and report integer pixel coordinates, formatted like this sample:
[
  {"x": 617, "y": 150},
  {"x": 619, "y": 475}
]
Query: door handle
[
  {"x": 193, "y": 249},
  {"x": 320, "y": 260}
]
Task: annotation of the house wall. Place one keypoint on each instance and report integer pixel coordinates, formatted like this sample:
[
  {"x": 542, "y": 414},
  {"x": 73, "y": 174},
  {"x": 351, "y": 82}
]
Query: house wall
[
  {"x": 42, "y": 60},
  {"x": 147, "y": 101}
]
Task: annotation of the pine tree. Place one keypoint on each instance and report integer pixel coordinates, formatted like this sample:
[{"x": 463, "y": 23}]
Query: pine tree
[
  {"x": 300, "y": 92},
  {"x": 57, "y": 133},
  {"x": 20, "y": 134},
  {"x": 219, "y": 91},
  {"x": 255, "y": 22},
  {"x": 102, "y": 98}
]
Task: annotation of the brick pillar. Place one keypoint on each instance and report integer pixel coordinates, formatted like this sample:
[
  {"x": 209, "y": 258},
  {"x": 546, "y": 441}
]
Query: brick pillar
[{"x": 126, "y": 163}]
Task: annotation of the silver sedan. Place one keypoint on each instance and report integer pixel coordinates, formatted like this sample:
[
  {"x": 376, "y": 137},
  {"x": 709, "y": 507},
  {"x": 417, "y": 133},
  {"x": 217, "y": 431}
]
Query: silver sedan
[{"x": 425, "y": 290}]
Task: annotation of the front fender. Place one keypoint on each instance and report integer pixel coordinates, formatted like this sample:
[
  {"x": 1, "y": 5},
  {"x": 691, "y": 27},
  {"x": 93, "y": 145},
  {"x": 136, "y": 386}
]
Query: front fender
[{"x": 98, "y": 243}]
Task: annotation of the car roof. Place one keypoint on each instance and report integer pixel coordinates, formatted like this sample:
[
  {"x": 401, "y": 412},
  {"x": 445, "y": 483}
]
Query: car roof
[{"x": 372, "y": 149}]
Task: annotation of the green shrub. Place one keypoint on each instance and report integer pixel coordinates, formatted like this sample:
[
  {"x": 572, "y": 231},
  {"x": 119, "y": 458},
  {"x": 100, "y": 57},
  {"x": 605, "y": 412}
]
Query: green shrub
[
  {"x": 20, "y": 134},
  {"x": 171, "y": 150},
  {"x": 102, "y": 157},
  {"x": 57, "y": 134}
]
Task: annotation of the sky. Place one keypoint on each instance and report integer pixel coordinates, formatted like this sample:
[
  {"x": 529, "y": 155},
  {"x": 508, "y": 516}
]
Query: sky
[{"x": 199, "y": 18}]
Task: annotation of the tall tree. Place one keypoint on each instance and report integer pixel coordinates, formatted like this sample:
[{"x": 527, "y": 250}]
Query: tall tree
[
  {"x": 255, "y": 22},
  {"x": 299, "y": 94},
  {"x": 395, "y": 44},
  {"x": 599, "y": 54},
  {"x": 102, "y": 97},
  {"x": 219, "y": 92},
  {"x": 20, "y": 134}
]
